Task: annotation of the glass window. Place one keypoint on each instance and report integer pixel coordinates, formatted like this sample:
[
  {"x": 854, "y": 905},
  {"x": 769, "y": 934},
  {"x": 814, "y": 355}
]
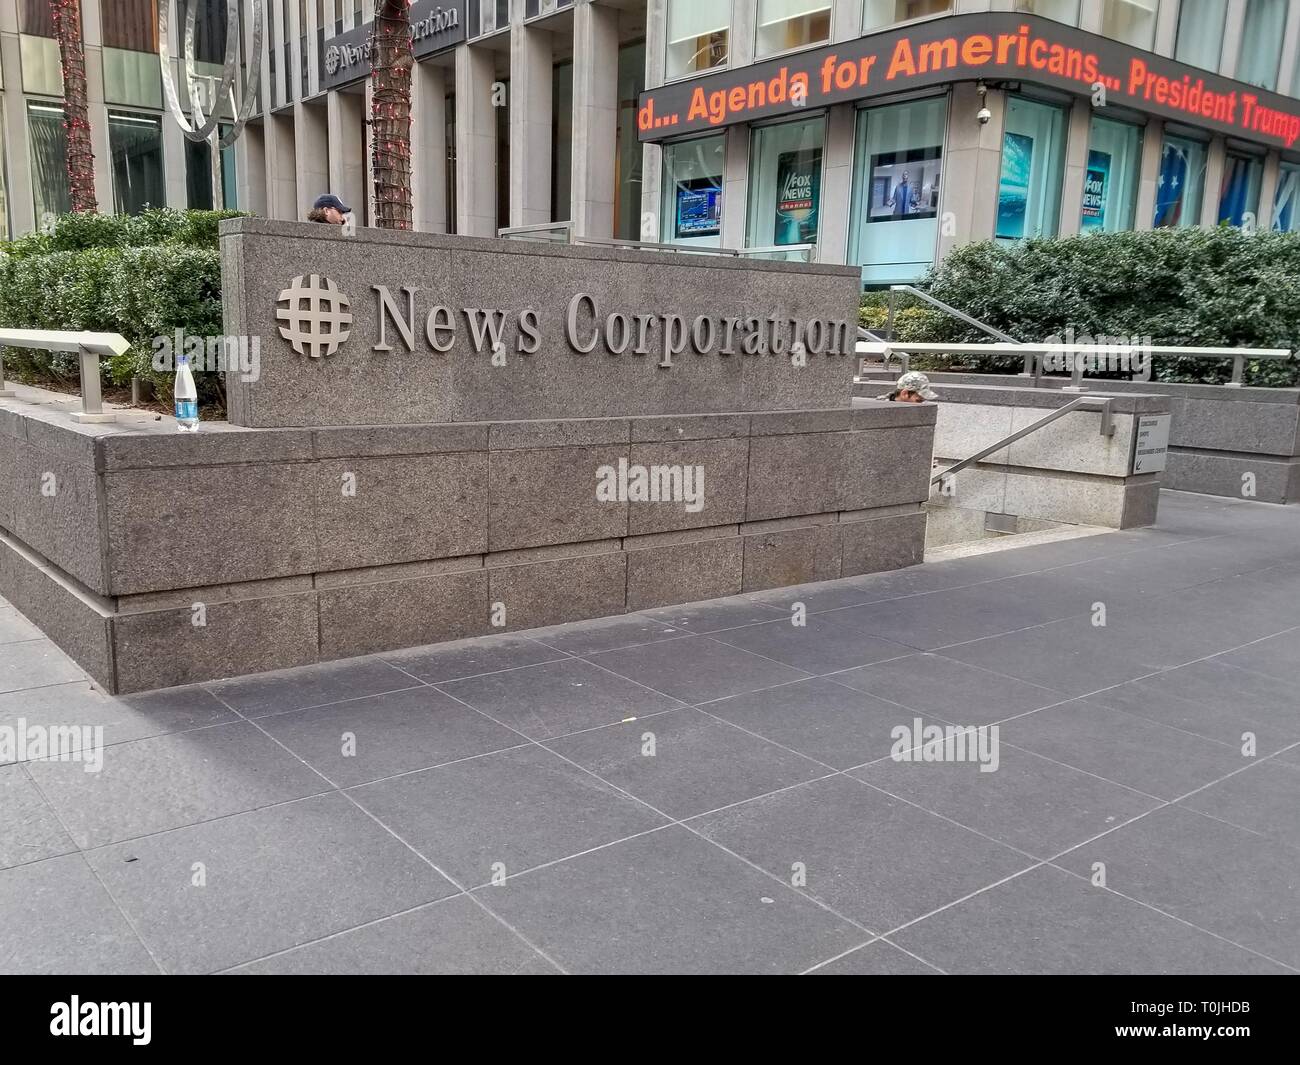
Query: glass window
[
  {"x": 1286, "y": 203},
  {"x": 877, "y": 13},
  {"x": 697, "y": 35},
  {"x": 1130, "y": 21},
  {"x": 135, "y": 143},
  {"x": 561, "y": 141},
  {"x": 692, "y": 199},
  {"x": 1110, "y": 180},
  {"x": 198, "y": 174},
  {"x": 49, "y": 145},
  {"x": 1261, "y": 42},
  {"x": 1239, "y": 191},
  {"x": 209, "y": 31},
  {"x": 36, "y": 17},
  {"x": 1181, "y": 183},
  {"x": 4, "y": 188},
  {"x": 786, "y": 24},
  {"x": 449, "y": 109},
  {"x": 627, "y": 153},
  {"x": 133, "y": 25},
  {"x": 785, "y": 183},
  {"x": 1200, "y": 33},
  {"x": 898, "y": 162},
  {"x": 1033, "y": 169},
  {"x": 1060, "y": 10}
]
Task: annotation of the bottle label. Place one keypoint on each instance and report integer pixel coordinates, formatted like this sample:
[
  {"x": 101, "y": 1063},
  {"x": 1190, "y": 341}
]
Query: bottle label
[{"x": 187, "y": 410}]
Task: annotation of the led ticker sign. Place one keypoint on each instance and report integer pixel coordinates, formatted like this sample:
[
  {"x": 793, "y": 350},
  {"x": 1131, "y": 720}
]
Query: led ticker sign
[{"x": 994, "y": 47}]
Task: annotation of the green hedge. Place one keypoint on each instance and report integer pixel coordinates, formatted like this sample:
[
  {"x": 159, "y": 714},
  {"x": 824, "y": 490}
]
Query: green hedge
[
  {"x": 143, "y": 276},
  {"x": 1191, "y": 287}
]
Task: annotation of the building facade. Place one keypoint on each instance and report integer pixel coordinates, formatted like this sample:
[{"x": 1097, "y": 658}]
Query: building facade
[{"x": 880, "y": 133}]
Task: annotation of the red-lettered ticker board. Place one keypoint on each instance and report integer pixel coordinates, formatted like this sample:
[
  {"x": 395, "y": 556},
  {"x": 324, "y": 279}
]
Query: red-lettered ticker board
[{"x": 994, "y": 47}]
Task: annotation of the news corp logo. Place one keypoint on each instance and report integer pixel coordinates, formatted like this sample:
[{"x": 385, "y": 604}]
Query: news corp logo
[
  {"x": 332, "y": 59},
  {"x": 315, "y": 316}
]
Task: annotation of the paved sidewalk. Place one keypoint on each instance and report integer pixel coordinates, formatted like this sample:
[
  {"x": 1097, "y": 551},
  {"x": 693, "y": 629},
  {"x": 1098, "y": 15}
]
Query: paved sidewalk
[{"x": 710, "y": 788}]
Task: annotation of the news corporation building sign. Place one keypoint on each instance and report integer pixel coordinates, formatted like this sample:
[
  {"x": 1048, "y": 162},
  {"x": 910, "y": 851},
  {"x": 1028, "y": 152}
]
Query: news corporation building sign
[{"x": 435, "y": 25}]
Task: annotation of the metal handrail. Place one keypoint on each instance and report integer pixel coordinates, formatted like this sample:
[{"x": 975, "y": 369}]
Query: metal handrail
[
  {"x": 1082, "y": 403},
  {"x": 565, "y": 234},
  {"x": 948, "y": 309},
  {"x": 90, "y": 346},
  {"x": 1035, "y": 352}
]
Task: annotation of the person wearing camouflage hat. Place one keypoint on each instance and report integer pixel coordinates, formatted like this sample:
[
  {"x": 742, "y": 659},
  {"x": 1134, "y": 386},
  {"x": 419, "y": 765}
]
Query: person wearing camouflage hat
[{"x": 912, "y": 387}]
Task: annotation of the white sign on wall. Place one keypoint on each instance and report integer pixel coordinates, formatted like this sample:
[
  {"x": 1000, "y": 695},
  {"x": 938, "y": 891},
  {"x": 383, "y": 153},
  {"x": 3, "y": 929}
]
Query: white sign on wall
[{"x": 1151, "y": 448}]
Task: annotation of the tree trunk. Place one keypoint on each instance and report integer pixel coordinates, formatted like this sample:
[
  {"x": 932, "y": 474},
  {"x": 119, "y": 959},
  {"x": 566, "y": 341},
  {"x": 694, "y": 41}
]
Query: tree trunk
[
  {"x": 76, "y": 113},
  {"x": 390, "y": 113}
]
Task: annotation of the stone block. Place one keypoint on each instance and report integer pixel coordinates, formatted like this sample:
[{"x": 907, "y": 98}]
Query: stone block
[
  {"x": 684, "y": 573},
  {"x": 792, "y": 556},
  {"x": 358, "y": 619},
  {"x": 57, "y": 514},
  {"x": 882, "y": 467},
  {"x": 161, "y": 648},
  {"x": 401, "y": 508},
  {"x": 1141, "y": 501},
  {"x": 1078, "y": 501},
  {"x": 724, "y": 465},
  {"x": 185, "y": 527},
  {"x": 795, "y": 474},
  {"x": 548, "y": 496},
  {"x": 1225, "y": 425},
  {"x": 1073, "y": 443},
  {"x": 1274, "y": 479},
  {"x": 73, "y": 621},
  {"x": 551, "y": 593},
  {"x": 876, "y": 544}
]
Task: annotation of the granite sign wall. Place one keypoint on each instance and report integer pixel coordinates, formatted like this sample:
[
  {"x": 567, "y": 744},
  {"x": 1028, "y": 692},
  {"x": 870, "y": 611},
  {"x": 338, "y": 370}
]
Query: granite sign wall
[{"x": 387, "y": 328}]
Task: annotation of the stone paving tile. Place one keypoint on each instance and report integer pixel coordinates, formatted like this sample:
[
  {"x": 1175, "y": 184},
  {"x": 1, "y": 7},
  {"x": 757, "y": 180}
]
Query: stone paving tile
[
  {"x": 165, "y": 782},
  {"x": 1128, "y": 750},
  {"x": 122, "y": 717},
  {"x": 365, "y": 739},
  {"x": 454, "y": 937},
  {"x": 880, "y": 958},
  {"x": 35, "y": 663},
  {"x": 556, "y": 698},
  {"x": 604, "y": 634},
  {"x": 273, "y": 879},
  {"x": 58, "y": 919},
  {"x": 294, "y": 689},
  {"x": 697, "y": 762},
  {"x": 14, "y": 628},
  {"x": 29, "y": 829},
  {"x": 715, "y": 615},
  {"x": 1048, "y": 922},
  {"x": 1264, "y": 798},
  {"x": 818, "y": 718},
  {"x": 1070, "y": 656},
  {"x": 469, "y": 658},
  {"x": 1278, "y": 657},
  {"x": 954, "y": 691},
  {"x": 820, "y": 645},
  {"x": 1229, "y": 881},
  {"x": 870, "y": 857},
  {"x": 696, "y": 670},
  {"x": 504, "y": 812},
  {"x": 668, "y": 902},
  {"x": 1031, "y": 803}
]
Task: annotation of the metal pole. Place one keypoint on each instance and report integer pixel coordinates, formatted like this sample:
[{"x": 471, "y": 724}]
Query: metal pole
[
  {"x": 92, "y": 400},
  {"x": 214, "y": 148}
]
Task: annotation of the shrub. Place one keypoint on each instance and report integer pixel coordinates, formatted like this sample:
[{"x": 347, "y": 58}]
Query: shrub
[
  {"x": 1187, "y": 287},
  {"x": 142, "y": 276}
]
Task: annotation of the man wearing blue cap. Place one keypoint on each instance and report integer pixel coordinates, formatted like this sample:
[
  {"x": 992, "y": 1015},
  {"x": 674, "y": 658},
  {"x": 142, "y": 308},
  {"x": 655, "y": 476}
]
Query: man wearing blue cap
[{"x": 328, "y": 208}]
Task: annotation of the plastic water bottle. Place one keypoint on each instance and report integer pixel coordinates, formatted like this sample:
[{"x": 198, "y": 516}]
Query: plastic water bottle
[{"x": 187, "y": 397}]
